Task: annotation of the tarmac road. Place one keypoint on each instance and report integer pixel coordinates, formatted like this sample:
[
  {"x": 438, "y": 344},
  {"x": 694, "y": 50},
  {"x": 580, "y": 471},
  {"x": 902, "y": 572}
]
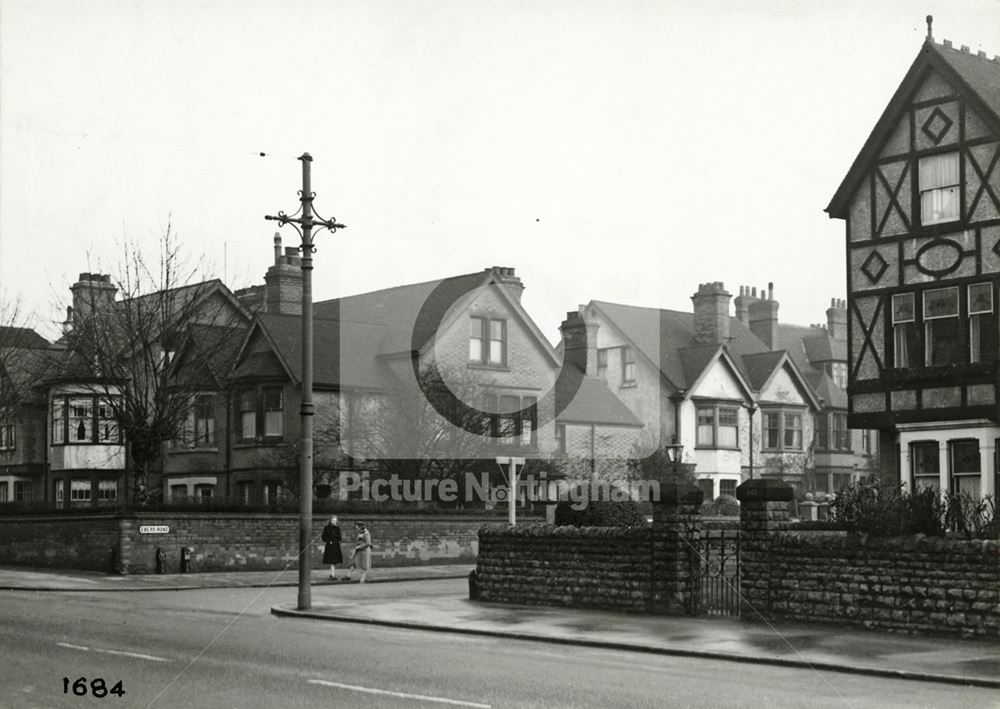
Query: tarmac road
[{"x": 222, "y": 648}]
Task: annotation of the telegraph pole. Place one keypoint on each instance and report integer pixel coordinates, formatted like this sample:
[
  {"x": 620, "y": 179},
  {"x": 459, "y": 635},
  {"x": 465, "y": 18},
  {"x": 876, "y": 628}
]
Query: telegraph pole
[{"x": 307, "y": 222}]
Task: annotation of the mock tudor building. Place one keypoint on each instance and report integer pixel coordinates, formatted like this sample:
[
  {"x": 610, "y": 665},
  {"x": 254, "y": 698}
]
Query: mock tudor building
[
  {"x": 743, "y": 394},
  {"x": 921, "y": 205}
]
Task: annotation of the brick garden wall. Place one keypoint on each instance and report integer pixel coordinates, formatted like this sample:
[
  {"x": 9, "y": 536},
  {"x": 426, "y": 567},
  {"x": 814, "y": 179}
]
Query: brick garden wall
[
  {"x": 87, "y": 543},
  {"x": 912, "y": 583},
  {"x": 598, "y": 567},
  {"x": 224, "y": 541}
]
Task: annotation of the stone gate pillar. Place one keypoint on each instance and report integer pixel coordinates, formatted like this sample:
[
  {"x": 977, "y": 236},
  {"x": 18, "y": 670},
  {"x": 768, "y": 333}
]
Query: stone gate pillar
[
  {"x": 763, "y": 513},
  {"x": 676, "y": 553}
]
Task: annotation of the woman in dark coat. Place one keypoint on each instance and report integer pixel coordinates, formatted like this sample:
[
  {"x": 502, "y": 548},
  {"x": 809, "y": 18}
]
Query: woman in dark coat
[{"x": 331, "y": 553}]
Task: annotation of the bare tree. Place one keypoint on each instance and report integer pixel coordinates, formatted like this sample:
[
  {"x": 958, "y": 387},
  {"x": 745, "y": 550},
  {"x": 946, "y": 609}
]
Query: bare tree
[
  {"x": 404, "y": 431},
  {"x": 137, "y": 351}
]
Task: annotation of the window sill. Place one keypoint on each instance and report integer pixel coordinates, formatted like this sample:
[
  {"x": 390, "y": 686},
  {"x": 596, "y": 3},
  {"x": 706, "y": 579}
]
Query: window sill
[
  {"x": 263, "y": 443},
  {"x": 627, "y": 385},
  {"x": 716, "y": 448},
  {"x": 206, "y": 449}
]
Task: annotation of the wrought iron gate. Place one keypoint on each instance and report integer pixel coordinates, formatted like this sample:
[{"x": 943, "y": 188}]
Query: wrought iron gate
[{"x": 718, "y": 577}]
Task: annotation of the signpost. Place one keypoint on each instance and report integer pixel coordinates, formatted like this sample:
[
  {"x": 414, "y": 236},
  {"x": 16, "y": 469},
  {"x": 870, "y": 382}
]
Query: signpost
[
  {"x": 154, "y": 529},
  {"x": 512, "y": 474}
]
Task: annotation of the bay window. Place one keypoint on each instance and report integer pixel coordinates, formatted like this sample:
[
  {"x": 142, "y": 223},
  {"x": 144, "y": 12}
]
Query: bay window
[
  {"x": 84, "y": 419},
  {"x": 938, "y": 176}
]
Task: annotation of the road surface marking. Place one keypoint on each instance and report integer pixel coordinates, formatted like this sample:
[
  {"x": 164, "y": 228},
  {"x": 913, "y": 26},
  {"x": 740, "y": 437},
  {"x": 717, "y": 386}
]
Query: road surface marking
[
  {"x": 401, "y": 695},
  {"x": 126, "y": 653}
]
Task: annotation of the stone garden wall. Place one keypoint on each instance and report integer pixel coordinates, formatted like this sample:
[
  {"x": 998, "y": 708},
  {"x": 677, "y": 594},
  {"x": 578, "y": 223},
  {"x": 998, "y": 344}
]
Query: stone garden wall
[
  {"x": 912, "y": 584},
  {"x": 597, "y": 567}
]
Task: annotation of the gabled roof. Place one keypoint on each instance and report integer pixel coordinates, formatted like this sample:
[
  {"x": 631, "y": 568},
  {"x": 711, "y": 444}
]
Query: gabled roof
[
  {"x": 682, "y": 361},
  {"x": 594, "y": 403},
  {"x": 396, "y": 311},
  {"x": 976, "y": 78},
  {"x": 207, "y": 355},
  {"x": 333, "y": 342}
]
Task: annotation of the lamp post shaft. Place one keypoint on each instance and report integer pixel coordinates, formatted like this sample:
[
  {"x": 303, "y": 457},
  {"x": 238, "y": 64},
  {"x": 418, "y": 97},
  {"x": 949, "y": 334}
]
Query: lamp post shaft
[
  {"x": 307, "y": 410},
  {"x": 305, "y": 224}
]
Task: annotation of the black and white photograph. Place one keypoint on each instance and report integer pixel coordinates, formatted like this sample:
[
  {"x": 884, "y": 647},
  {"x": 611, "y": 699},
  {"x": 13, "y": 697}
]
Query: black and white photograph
[{"x": 451, "y": 353}]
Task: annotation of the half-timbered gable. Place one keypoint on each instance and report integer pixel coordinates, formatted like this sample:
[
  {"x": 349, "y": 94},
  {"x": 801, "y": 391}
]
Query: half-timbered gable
[{"x": 921, "y": 204}]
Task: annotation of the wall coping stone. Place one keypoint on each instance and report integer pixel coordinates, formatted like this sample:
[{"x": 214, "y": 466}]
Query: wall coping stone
[
  {"x": 912, "y": 542},
  {"x": 551, "y": 530},
  {"x": 764, "y": 490}
]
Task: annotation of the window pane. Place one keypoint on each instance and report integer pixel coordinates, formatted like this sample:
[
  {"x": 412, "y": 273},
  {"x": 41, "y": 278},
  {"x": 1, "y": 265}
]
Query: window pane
[
  {"x": 793, "y": 431},
  {"x": 476, "y": 326},
  {"x": 58, "y": 413},
  {"x": 980, "y": 298},
  {"x": 902, "y": 308},
  {"x": 968, "y": 484},
  {"x": 497, "y": 336},
  {"x": 727, "y": 487},
  {"x": 248, "y": 425},
  {"x": 965, "y": 456},
  {"x": 273, "y": 423},
  {"x": 984, "y": 343},
  {"x": 925, "y": 458},
  {"x": 941, "y": 303},
  {"x": 943, "y": 342},
  {"x": 81, "y": 419},
  {"x": 938, "y": 171},
  {"x": 706, "y": 427}
]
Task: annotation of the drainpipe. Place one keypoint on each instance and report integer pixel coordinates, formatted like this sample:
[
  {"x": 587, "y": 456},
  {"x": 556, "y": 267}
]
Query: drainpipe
[{"x": 677, "y": 399}]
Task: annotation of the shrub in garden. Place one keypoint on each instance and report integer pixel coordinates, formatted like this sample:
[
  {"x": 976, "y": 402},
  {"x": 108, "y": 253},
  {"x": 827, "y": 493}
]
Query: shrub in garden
[{"x": 589, "y": 512}]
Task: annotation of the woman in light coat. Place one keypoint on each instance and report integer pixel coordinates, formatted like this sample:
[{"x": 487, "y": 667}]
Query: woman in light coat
[{"x": 362, "y": 552}]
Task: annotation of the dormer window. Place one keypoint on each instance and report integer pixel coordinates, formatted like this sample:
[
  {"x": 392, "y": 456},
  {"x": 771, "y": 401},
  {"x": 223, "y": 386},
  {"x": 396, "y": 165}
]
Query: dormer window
[{"x": 938, "y": 188}]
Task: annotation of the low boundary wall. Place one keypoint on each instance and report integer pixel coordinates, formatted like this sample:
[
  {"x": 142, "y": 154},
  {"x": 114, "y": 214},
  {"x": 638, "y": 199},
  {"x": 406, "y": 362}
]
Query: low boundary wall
[
  {"x": 908, "y": 583},
  {"x": 225, "y": 541}
]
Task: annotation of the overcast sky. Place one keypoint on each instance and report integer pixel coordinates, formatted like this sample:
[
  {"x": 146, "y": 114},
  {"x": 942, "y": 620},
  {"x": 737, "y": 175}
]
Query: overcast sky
[{"x": 621, "y": 151}]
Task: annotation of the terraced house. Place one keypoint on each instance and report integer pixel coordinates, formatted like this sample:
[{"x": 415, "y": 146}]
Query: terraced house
[{"x": 921, "y": 205}]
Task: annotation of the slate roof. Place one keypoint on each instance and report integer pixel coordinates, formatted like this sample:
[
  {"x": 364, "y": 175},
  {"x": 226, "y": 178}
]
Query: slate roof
[
  {"x": 595, "y": 403},
  {"x": 333, "y": 342},
  {"x": 978, "y": 78},
  {"x": 21, "y": 337},
  {"x": 682, "y": 360}
]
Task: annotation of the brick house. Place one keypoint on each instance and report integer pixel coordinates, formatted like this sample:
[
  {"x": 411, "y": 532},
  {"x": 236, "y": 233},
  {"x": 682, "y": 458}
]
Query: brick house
[
  {"x": 86, "y": 454},
  {"x": 742, "y": 394},
  {"x": 921, "y": 206},
  {"x": 374, "y": 352},
  {"x": 22, "y": 415}
]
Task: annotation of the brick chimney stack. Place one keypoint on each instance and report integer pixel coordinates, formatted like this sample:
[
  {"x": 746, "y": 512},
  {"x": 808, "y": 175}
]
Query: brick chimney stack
[
  {"x": 92, "y": 293},
  {"x": 742, "y": 303},
  {"x": 836, "y": 319},
  {"x": 579, "y": 335},
  {"x": 506, "y": 275},
  {"x": 764, "y": 317},
  {"x": 711, "y": 313},
  {"x": 283, "y": 281}
]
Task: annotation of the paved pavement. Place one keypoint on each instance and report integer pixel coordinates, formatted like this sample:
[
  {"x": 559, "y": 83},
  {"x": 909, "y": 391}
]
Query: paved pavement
[
  {"x": 24, "y": 579},
  {"x": 822, "y": 647}
]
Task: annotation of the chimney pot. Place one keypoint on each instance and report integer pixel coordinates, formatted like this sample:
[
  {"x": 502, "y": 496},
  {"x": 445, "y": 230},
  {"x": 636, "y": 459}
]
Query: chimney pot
[
  {"x": 965, "y": 49},
  {"x": 946, "y": 43},
  {"x": 981, "y": 54}
]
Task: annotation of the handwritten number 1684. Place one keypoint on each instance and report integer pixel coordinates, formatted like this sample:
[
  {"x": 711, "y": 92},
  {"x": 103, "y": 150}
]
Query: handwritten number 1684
[{"x": 97, "y": 687}]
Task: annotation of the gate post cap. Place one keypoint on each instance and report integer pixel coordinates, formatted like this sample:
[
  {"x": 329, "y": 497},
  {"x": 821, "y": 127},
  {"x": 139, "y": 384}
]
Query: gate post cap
[
  {"x": 764, "y": 490},
  {"x": 680, "y": 494}
]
